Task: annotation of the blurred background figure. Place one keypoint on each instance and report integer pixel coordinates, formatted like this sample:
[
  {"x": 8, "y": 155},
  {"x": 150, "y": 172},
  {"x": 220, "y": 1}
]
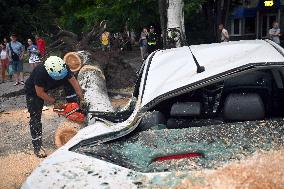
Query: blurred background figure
[
  {"x": 105, "y": 40},
  {"x": 132, "y": 37},
  {"x": 33, "y": 53},
  {"x": 152, "y": 40},
  {"x": 224, "y": 34},
  {"x": 15, "y": 52},
  {"x": 143, "y": 43},
  {"x": 4, "y": 62},
  {"x": 274, "y": 33},
  {"x": 41, "y": 46}
]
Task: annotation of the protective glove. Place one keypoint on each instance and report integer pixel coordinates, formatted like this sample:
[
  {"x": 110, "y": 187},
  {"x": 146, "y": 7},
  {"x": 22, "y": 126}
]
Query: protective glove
[{"x": 84, "y": 106}]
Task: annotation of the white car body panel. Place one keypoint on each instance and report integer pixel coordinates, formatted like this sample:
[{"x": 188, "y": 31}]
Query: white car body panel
[
  {"x": 175, "y": 68},
  {"x": 169, "y": 70},
  {"x": 66, "y": 169}
]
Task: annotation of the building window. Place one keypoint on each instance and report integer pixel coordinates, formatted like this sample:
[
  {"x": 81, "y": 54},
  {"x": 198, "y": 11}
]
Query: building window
[
  {"x": 250, "y": 25},
  {"x": 236, "y": 27}
]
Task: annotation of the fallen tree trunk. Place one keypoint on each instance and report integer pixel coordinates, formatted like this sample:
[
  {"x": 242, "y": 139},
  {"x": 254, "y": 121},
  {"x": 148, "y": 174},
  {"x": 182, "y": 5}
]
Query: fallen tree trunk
[
  {"x": 93, "y": 83},
  {"x": 92, "y": 80}
]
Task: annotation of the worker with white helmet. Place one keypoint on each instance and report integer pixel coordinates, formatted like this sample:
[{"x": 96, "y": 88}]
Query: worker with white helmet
[{"x": 50, "y": 75}]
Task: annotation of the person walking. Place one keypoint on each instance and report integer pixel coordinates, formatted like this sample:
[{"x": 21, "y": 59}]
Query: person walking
[
  {"x": 4, "y": 62},
  {"x": 152, "y": 40},
  {"x": 224, "y": 34},
  {"x": 143, "y": 43},
  {"x": 15, "y": 52},
  {"x": 274, "y": 33},
  {"x": 50, "y": 75},
  {"x": 40, "y": 43},
  {"x": 33, "y": 54}
]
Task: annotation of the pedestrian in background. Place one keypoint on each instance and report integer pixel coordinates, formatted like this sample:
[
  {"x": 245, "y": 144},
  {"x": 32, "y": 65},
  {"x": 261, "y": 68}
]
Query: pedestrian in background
[
  {"x": 143, "y": 43},
  {"x": 152, "y": 40},
  {"x": 274, "y": 33},
  {"x": 105, "y": 40},
  {"x": 40, "y": 43},
  {"x": 224, "y": 34},
  {"x": 15, "y": 52},
  {"x": 4, "y": 62},
  {"x": 33, "y": 54}
]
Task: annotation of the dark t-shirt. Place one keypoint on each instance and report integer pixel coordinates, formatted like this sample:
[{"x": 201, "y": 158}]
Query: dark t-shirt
[{"x": 40, "y": 77}]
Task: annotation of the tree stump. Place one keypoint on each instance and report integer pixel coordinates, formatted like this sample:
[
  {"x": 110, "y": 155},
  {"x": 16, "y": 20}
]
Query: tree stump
[
  {"x": 75, "y": 60},
  {"x": 65, "y": 132}
]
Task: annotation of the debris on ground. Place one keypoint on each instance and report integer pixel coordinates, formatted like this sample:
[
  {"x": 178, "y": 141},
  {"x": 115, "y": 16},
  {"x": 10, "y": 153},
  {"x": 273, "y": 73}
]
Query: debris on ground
[{"x": 16, "y": 167}]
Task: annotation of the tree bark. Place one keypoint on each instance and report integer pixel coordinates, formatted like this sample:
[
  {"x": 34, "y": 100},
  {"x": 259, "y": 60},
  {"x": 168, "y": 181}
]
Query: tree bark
[
  {"x": 175, "y": 25},
  {"x": 163, "y": 19},
  {"x": 92, "y": 81}
]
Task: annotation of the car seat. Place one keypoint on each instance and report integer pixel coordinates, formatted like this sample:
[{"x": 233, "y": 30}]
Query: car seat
[{"x": 243, "y": 107}]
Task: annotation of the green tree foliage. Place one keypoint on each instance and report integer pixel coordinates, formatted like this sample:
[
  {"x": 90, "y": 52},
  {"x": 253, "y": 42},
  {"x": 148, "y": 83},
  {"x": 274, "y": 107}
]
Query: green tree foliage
[
  {"x": 81, "y": 15},
  {"x": 25, "y": 18},
  {"x": 30, "y": 17}
]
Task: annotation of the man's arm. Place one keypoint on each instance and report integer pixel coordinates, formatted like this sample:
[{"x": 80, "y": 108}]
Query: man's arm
[
  {"x": 272, "y": 34},
  {"x": 43, "y": 95},
  {"x": 76, "y": 87}
]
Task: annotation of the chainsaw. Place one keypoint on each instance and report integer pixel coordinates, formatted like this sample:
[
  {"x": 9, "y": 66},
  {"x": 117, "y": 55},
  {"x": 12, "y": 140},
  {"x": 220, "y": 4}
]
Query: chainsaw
[{"x": 71, "y": 111}]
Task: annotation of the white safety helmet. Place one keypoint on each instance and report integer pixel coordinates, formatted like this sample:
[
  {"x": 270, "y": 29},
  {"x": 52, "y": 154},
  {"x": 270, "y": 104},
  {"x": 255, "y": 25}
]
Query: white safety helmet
[{"x": 55, "y": 67}]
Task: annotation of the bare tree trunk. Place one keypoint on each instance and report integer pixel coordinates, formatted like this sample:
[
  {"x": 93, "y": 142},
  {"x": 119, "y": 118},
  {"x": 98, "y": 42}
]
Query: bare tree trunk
[
  {"x": 227, "y": 12},
  {"x": 163, "y": 19},
  {"x": 208, "y": 8},
  {"x": 175, "y": 25}
]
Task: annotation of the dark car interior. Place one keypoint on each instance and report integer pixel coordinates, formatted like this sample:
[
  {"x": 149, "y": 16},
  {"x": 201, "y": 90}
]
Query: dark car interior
[{"x": 255, "y": 95}]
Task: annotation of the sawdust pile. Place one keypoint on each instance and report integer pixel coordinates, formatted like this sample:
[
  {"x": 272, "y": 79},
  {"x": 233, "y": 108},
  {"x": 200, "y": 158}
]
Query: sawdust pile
[
  {"x": 263, "y": 170},
  {"x": 15, "y": 168}
]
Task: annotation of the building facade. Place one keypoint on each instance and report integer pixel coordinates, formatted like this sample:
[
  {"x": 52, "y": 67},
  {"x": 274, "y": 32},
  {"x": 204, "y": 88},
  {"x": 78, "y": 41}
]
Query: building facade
[{"x": 252, "y": 19}]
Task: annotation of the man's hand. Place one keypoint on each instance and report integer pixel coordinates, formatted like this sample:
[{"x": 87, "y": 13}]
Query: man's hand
[{"x": 83, "y": 105}]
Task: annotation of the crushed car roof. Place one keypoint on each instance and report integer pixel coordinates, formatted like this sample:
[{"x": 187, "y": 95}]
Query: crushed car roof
[{"x": 174, "y": 68}]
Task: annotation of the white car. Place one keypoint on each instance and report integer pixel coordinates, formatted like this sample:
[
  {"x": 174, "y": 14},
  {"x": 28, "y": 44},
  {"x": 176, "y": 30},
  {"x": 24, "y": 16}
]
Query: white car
[{"x": 193, "y": 108}]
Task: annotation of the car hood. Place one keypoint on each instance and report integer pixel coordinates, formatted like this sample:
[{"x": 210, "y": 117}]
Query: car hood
[
  {"x": 66, "y": 169},
  {"x": 172, "y": 69}
]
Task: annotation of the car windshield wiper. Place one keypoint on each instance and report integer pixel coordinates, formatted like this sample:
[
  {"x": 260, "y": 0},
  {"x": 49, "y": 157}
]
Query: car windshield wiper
[{"x": 199, "y": 68}]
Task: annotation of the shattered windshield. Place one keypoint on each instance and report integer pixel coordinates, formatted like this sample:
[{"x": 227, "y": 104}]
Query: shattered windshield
[{"x": 217, "y": 143}]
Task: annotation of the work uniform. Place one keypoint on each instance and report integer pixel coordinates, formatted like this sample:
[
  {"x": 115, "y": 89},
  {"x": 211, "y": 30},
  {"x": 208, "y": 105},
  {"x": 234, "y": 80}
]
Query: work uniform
[
  {"x": 40, "y": 77},
  {"x": 152, "y": 42}
]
